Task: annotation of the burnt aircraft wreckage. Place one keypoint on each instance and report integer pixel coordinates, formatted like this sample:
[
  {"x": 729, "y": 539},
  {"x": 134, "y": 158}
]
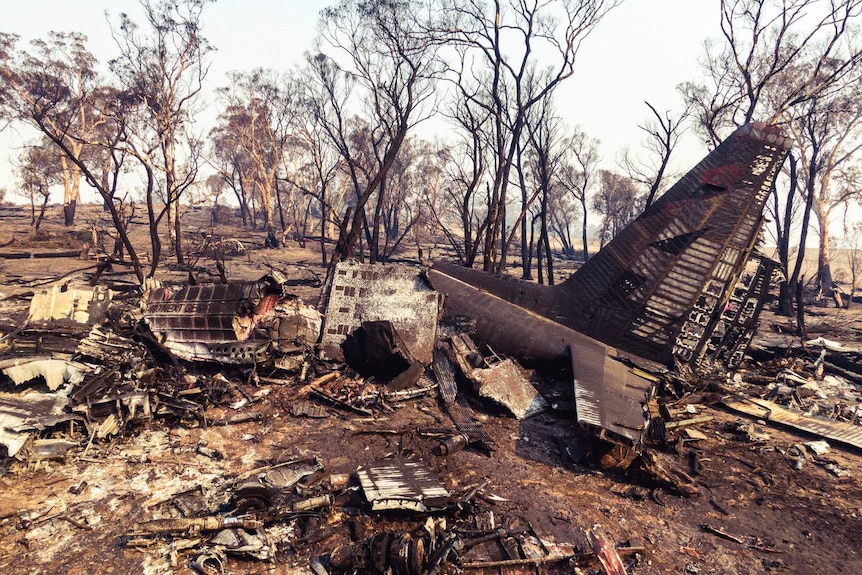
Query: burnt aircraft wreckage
[
  {"x": 663, "y": 298},
  {"x": 663, "y": 301}
]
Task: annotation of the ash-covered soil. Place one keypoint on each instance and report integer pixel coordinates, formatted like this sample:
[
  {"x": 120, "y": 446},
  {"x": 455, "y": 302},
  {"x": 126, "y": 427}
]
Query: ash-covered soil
[{"x": 764, "y": 503}]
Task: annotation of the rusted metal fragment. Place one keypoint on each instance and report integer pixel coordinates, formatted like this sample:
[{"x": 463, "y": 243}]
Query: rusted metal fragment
[
  {"x": 23, "y": 412},
  {"x": 110, "y": 348},
  {"x": 395, "y": 293},
  {"x": 506, "y": 385},
  {"x": 610, "y": 393},
  {"x": 605, "y": 551},
  {"x": 416, "y": 552},
  {"x": 232, "y": 323},
  {"x": 50, "y": 448},
  {"x": 68, "y": 304},
  {"x": 401, "y": 485},
  {"x": 740, "y": 319},
  {"x": 839, "y": 431},
  {"x": 107, "y": 415},
  {"x": 196, "y": 524},
  {"x": 461, "y": 416}
]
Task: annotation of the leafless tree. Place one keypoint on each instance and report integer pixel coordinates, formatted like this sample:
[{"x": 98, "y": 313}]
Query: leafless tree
[
  {"x": 616, "y": 201},
  {"x": 381, "y": 57},
  {"x": 543, "y": 129},
  {"x": 414, "y": 182},
  {"x": 38, "y": 169},
  {"x": 774, "y": 55},
  {"x": 499, "y": 48},
  {"x": 774, "y": 59},
  {"x": 577, "y": 175},
  {"x": 161, "y": 69},
  {"x": 36, "y": 96},
  {"x": 562, "y": 218},
  {"x": 54, "y": 81},
  {"x": 663, "y": 133},
  {"x": 465, "y": 159}
]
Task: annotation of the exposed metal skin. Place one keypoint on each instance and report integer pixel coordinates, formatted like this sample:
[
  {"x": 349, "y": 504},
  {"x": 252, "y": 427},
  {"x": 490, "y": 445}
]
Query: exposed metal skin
[
  {"x": 395, "y": 293},
  {"x": 239, "y": 323},
  {"x": 650, "y": 299}
]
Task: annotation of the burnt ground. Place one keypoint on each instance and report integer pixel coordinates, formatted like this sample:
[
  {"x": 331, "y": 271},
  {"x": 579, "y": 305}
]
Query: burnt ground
[{"x": 763, "y": 503}]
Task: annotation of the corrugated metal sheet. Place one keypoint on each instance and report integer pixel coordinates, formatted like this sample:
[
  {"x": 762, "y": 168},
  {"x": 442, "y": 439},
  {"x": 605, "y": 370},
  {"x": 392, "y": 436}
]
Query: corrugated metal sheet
[
  {"x": 659, "y": 287},
  {"x": 444, "y": 374},
  {"x": 609, "y": 393},
  {"x": 401, "y": 483},
  {"x": 203, "y": 323},
  {"x": 839, "y": 431},
  {"x": 196, "y": 322}
]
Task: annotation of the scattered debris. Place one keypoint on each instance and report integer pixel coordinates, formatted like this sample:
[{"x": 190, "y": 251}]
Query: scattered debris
[
  {"x": 54, "y": 372},
  {"x": 644, "y": 323},
  {"x": 605, "y": 551},
  {"x": 64, "y": 304}
]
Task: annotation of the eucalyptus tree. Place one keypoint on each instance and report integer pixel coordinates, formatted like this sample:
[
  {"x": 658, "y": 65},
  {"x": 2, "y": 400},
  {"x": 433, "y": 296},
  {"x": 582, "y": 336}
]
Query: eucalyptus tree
[
  {"x": 828, "y": 135},
  {"x": 160, "y": 69},
  {"x": 375, "y": 59},
  {"x": 314, "y": 167},
  {"x": 259, "y": 108},
  {"x": 578, "y": 175},
  {"x": 35, "y": 94},
  {"x": 616, "y": 201},
  {"x": 232, "y": 165},
  {"x": 51, "y": 85},
  {"x": 506, "y": 56},
  {"x": 38, "y": 169}
]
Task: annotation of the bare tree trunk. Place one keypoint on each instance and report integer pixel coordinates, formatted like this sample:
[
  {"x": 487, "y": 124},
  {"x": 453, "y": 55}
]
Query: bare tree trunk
[
  {"x": 785, "y": 293},
  {"x": 545, "y": 240},
  {"x": 323, "y": 224},
  {"x": 178, "y": 237},
  {"x": 800, "y": 309},
  {"x": 41, "y": 212},
  {"x": 374, "y": 240},
  {"x": 280, "y": 207}
]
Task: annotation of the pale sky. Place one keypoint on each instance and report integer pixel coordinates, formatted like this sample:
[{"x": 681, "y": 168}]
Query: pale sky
[{"x": 641, "y": 51}]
